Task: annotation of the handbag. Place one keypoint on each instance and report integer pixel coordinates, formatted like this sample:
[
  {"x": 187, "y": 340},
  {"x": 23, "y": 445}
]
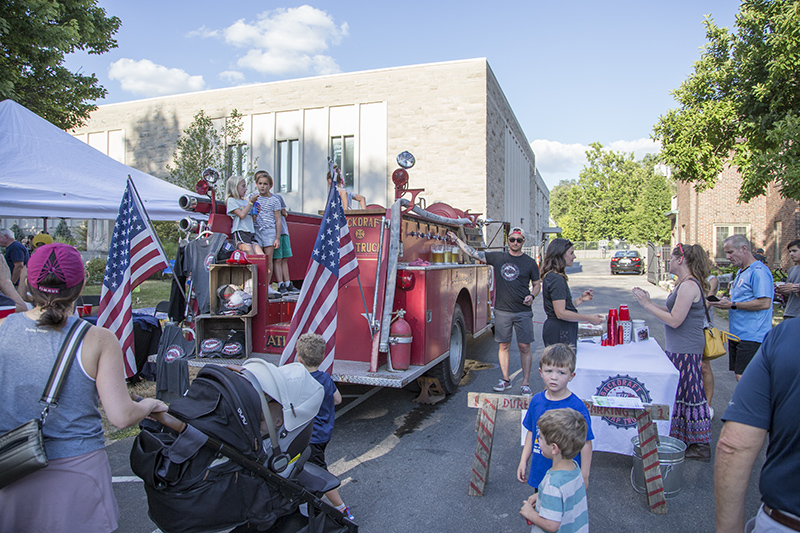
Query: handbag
[
  {"x": 715, "y": 339},
  {"x": 22, "y": 449}
]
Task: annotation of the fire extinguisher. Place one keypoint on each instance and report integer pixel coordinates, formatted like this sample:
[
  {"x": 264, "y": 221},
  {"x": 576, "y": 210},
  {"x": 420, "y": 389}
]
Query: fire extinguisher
[{"x": 400, "y": 338}]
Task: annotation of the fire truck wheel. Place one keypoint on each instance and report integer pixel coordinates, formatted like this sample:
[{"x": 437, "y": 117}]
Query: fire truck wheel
[{"x": 450, "y": 371}]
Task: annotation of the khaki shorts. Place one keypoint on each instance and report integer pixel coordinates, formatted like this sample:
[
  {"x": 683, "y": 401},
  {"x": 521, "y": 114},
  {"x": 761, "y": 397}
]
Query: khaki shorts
[{"x": 506, "y": 322}]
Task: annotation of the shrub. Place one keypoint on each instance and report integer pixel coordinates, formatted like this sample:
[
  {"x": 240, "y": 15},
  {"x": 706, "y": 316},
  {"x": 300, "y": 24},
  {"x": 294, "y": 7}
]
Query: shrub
[{"x": 95, "y": 270}]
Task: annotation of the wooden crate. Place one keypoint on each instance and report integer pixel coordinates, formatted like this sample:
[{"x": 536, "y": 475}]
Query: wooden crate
[
  {"x": 219, "y": 327},
  {"x": 220, "y": 275}
]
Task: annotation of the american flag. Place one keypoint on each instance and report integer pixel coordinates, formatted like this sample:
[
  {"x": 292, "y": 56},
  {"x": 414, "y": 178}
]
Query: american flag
[
  {"x": 333, "y": 263},
  {"x": 134, "y": 256}
]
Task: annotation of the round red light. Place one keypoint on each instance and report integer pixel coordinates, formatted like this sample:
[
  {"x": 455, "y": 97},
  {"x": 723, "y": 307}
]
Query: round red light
[
  {"x": 201, "y": 187},
  {"x": 400, "y": 178}
]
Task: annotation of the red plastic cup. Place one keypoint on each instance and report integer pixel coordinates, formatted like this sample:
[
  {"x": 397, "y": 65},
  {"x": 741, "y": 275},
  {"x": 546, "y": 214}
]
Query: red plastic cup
[
  {"x": 624, "y": 313},
  {"x": 87, "y": 309},
  {"x": 79, "y": 309}
]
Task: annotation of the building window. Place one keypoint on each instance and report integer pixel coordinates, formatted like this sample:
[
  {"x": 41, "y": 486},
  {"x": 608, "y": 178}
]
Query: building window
[
  {"x": 236, "y": 159},
  {"x": 288, "y": 175},
  {"x": 722, "y": 232},
  {"x": 343, "y": 154},
  {"x": 778, "y": 242}
]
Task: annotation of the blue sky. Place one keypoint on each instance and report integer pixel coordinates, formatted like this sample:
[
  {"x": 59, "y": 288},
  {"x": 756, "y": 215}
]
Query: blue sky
[{"x": 574, "y": 72}]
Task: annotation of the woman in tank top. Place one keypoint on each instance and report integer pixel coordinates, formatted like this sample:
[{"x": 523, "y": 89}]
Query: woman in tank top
[
  {"x": 73, "y": 493},
  {"x": 684, "y": 317}
]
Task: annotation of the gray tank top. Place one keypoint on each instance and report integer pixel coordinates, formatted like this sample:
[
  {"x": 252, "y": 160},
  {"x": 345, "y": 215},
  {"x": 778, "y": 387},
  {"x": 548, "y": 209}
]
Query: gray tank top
[
  {"x": 689, "y": 336},
  {"x": 27, "y": 355}
]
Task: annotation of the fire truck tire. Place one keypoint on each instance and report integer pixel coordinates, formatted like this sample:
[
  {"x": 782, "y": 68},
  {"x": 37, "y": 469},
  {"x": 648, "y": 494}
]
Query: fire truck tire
[{"x": 450, "y": 371}]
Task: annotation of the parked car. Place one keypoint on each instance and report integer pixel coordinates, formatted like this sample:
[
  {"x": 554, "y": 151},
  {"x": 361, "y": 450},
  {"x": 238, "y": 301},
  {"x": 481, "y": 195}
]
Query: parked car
[{"x": 627, "y": 261}]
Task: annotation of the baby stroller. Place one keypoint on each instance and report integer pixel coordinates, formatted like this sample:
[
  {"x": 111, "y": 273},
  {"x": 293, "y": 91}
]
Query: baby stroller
[{"x": 208, "y": 468}]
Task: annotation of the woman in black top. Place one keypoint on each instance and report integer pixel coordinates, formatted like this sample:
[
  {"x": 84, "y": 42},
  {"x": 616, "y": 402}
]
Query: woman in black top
[{"x": 561, "y": 310}]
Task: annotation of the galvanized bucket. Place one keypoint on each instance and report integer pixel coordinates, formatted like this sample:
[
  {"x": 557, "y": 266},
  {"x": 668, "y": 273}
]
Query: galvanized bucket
[{"x": 671, "y": 454}]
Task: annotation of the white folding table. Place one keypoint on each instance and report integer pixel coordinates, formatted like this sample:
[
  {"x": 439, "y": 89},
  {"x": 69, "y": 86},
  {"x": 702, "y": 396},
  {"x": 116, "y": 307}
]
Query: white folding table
[{"x": 637, "y": 369}]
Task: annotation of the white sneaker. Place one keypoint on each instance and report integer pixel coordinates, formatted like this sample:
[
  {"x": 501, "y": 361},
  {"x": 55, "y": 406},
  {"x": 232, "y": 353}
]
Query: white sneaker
[
  {"x": 272, "y": 293},
  {"x": 502, "y": 386}
]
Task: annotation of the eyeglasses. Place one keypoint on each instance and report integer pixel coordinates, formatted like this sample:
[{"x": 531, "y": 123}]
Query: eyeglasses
[
  {"x": 680, "y": 247},
  {"x": 516, "y": 239}
]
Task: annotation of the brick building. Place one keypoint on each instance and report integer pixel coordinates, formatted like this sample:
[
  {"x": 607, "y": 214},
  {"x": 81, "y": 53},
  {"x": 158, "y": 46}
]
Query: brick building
[
  {"x": 471, "y": 152},
  {"x": 709, "y": 217}
]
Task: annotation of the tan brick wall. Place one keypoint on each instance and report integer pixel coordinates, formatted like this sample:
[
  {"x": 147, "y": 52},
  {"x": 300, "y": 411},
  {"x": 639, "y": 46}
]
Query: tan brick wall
[{"x": 439, "y": 112}]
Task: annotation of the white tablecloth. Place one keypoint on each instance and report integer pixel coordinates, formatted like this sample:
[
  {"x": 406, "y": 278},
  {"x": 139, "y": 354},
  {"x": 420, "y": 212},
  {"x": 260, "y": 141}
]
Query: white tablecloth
[{"x": 638, "y": 369}]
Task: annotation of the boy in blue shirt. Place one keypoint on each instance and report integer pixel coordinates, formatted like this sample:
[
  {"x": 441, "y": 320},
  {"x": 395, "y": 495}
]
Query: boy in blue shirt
[
  {"x": 560, "y": 505},
  {"x": 557, "y": 368},
  {"x": 311, "y": 352}
]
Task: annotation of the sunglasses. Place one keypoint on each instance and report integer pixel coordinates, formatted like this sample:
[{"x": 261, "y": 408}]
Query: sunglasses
[
  {"x": 516, "y": 239},
  {"x": 680, "y": 247}
]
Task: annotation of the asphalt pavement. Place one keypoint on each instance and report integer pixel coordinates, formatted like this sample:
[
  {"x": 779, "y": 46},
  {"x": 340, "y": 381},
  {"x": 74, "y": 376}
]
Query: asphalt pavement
[{"x": 405, "y": 467}]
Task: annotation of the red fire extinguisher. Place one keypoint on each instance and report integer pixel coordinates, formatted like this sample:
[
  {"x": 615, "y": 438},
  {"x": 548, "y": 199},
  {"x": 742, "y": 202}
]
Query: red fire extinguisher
[{"x": 400, "y": 338}]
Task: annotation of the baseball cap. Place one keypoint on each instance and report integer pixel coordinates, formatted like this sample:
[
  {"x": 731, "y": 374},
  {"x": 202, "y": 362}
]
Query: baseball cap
[
  {"x": 62, "y": 260},
  {"x": 517, "y": 230},
  {"x": 41, "y": 239}
]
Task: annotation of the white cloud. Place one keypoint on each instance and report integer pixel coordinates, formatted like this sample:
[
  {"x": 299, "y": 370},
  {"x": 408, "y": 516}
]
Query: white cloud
[
  {"x": 145, "y": 78},
  {"x": 558, "y": 161},
  {"x": 232, "y": 76},
  {"x": 284, "y": 41}
]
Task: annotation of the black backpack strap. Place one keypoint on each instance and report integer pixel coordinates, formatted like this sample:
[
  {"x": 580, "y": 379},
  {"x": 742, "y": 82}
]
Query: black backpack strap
[{"x": 63, "y": 362}]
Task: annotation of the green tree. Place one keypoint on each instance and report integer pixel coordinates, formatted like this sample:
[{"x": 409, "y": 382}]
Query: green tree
[
  {"x": 559, "y": 199},
  {"x": 602, "y": 203},
  {"x": 35, "y": 35},
  {"x": 653, "y": 202},
  {"x": 741, "y": 104},
  {"x": 201, "y": 146},
  {"x": 63, "y": 234},
  {"x": 615, "y": 197}
]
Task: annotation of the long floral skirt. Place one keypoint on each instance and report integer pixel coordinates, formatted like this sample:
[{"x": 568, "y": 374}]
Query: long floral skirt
[{"x": 691, "y": 420}]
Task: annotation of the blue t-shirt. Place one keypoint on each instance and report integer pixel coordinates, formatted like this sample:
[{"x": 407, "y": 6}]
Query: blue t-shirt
[
  {"x": 16, "y": 252},
  {"x": 323, "y": 422},
  {"x": 539, "y": 404},
  {"x": 767, "y": 397},
  {"x": 562, "y": 498},
  {"x": 753, "y": 282},
  {"x": 284, "y": 227}
]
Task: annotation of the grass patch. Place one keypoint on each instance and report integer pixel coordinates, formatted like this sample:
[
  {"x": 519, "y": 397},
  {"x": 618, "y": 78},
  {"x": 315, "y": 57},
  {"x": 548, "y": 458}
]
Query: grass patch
[{"x": 148, "y": 294}]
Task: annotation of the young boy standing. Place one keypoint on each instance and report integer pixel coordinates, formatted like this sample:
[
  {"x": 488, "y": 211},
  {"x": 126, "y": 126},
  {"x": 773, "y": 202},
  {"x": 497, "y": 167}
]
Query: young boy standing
[
  {"x": 791, "y": 288},
  {"x": 560, "y": 504},
  {"x": 311, "y": 352},
  {"x": 557, "y": 368}
]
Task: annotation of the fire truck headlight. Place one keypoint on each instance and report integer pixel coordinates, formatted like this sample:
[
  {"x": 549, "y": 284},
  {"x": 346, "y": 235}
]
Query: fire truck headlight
[{"x": 405, "y": 280}]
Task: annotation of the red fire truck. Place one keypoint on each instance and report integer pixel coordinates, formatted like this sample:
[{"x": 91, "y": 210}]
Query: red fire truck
[{"x": 408, "y": 313}]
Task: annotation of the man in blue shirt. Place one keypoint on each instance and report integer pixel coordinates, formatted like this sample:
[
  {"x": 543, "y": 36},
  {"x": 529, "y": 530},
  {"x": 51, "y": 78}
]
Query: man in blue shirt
[
  {"x": 764, "y": 401},
  {"x": 750, "y": 304},
  {"x": 16, "y": 254}
]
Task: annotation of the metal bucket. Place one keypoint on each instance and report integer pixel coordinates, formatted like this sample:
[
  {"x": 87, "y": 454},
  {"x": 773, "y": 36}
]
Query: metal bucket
[{"x": 671, "y": 454}]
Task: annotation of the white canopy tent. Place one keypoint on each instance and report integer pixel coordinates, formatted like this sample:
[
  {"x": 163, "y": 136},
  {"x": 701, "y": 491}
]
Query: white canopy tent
[{"x": 46, "y": 172}]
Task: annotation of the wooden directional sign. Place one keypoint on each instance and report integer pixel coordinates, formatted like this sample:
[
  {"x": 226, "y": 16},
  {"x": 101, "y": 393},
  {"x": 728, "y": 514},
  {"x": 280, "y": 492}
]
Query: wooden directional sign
[{"x": 489, "y": 404}]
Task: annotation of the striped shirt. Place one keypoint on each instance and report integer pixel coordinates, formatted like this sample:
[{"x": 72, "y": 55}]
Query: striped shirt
[{"x": 562, "y": 498}]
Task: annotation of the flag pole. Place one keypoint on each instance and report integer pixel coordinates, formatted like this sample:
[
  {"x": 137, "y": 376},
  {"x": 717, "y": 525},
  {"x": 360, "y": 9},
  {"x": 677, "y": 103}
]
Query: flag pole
[
  {"x": 335, "y": 173},
  {"x": 158, "y": 240}
]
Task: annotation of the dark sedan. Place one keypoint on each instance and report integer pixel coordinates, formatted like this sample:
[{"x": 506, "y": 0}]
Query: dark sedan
[{"x": 627, "y": 261}]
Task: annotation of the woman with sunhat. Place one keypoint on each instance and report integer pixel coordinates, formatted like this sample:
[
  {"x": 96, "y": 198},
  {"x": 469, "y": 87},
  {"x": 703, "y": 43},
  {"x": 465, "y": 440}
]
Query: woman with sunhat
[{"x": 74, "y": 490}]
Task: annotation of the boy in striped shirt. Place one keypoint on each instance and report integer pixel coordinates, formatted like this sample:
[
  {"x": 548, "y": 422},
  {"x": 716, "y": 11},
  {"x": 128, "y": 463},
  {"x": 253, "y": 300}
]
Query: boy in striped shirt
[{"x": 560, "y": 504}]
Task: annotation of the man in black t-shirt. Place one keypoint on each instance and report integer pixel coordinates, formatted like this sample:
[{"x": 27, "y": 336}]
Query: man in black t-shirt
[{"x": 517, "y": 283}]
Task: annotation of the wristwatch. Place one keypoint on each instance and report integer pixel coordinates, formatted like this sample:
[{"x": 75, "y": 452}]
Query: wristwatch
[{"x": 733, "y": 306}]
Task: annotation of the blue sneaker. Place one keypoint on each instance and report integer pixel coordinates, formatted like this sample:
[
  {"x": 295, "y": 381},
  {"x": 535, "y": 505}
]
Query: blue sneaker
[{"x": 347, "y": 513}]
